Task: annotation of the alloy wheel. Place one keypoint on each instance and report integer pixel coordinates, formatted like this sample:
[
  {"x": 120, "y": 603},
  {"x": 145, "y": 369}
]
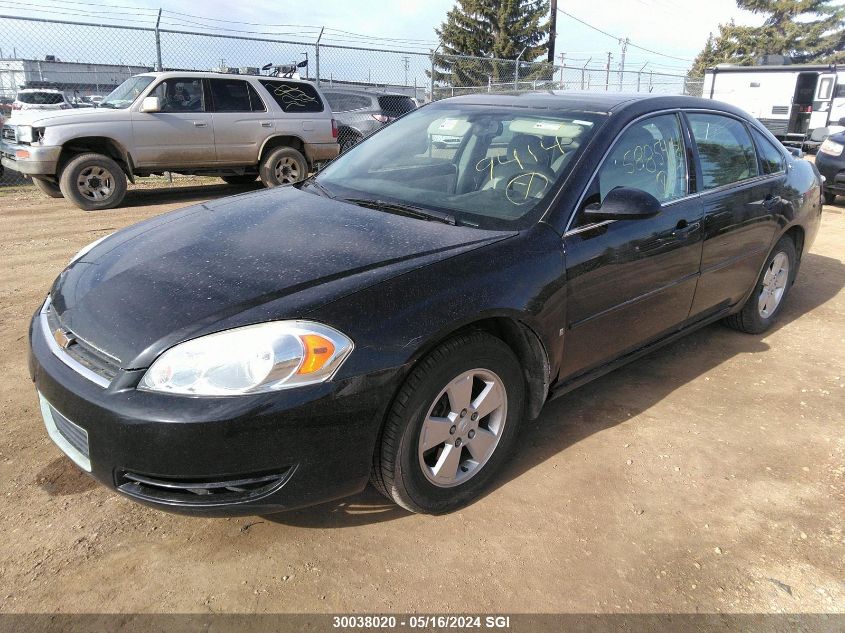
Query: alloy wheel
[{"x": 774, "y": 285}]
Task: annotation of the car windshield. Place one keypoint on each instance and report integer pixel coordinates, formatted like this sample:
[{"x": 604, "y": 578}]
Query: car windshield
[
  {"x": 41, "y": 98},
  {"x": 485, "y": 166},
  {"x": 125, "y": 94}
]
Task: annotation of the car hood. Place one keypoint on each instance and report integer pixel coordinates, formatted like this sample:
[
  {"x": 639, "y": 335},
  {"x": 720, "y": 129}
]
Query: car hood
[
  {"x": 189, "y": 272},
  {"x": 62, "y": 117}
]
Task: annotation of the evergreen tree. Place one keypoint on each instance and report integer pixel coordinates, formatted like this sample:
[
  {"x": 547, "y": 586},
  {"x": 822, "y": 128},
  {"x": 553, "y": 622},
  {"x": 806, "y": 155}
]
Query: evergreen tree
[
  {"x": 809, "y": 31},
  {"x": 500, "y": 29}
]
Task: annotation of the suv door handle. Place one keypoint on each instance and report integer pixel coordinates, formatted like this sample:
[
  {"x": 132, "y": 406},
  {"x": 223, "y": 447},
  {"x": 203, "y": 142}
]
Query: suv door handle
[
  {"x": 200, "y": 124},
  {"x": 771, "y": 201},
  {"x": 266, "y": 124}
]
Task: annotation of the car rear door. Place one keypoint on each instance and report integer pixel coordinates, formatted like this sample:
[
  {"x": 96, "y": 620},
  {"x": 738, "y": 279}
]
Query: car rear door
[
  {"x": 740, "y": 204},
  {"x": 241, "y": 121},
  {"x": 181, "y": 134},
  {"x": 633, "y": 281}
]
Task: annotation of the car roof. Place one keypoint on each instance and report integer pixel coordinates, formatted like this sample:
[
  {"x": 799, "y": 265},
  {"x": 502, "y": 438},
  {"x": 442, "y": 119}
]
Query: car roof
[
  {"x": 205, "y": 74},
  {"x": 366, "y": 93},
  {"x": 602, "y": 102}
]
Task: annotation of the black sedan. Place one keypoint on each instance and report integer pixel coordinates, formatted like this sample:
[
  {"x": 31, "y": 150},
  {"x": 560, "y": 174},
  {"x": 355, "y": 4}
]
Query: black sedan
[
  {"x": 394, "y": 319},
  {"x": 830, "y": 161}
]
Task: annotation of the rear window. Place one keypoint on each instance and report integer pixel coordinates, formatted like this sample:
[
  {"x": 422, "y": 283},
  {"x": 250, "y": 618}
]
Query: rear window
[
  {"x": 396, "y": 104},
  {"x": 41, "y": 98},
  {"x": 341, "y": 102},
  {"x": 294, "y": 96}
]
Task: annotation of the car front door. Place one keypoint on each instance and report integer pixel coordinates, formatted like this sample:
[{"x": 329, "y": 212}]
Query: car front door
[
  {"x": 181, "y": 133},
  {"x": 632, "y": 281},
  {"x": 241, "y": 121},
  {"x": 741, "y": 203}
]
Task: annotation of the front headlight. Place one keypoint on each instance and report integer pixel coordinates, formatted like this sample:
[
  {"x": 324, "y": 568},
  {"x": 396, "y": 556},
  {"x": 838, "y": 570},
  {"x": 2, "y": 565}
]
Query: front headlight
[
  {"x": 831, "y": 147},
  {"x": 251, "y": 359},
  {"x": 25, "y": 133}
]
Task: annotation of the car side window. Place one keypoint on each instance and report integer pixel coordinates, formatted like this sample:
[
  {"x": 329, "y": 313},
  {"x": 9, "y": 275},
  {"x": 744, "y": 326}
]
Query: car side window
[
  {"x": 294, "y": 96},
  {"x": 771, "y": 158},
  {"x": 650, "y": 156},
  {"x": 230, "y": 95},
  {"x": 725, "y": 150},
  {"x": 180, "y": 95},
  {"x": 255, "y": 100}
]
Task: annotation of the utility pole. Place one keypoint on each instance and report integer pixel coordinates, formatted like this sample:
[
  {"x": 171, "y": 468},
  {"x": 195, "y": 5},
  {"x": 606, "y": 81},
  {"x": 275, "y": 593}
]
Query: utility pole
[
  {"x": 158, "y": 42},
  {"x": 624, "y": 44},
  {"x": 317, "y": 54},
  {"x": 552, "y": 30},
  {"x": 607, "y": 71},
  {"x": 405, "y": 62}
]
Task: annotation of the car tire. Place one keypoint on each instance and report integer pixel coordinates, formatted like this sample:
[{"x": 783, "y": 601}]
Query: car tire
[
  {"x": 244, "y": 179},
  {"x": 829, "y": 197},
  {"x": 47, "y": 187},
  {"x": 770, "y": 292},
  {"x": 93, "y": 182},
  {"x": 411, "y": 465},
  {"x": 283, "y": 166}
]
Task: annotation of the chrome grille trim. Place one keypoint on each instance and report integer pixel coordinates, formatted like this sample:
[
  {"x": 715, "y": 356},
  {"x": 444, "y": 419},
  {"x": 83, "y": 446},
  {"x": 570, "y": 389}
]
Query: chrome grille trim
[
  {"x": 9, "y": 133},
  {"x": 62, "y": 355}
]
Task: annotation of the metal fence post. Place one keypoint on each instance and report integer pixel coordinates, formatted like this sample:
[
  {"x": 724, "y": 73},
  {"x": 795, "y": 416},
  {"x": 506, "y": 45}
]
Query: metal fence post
[
  {"x": 317, "y": 54},
  {"x": 158, "y": 42},
  {"x": 607, "y": 69},
  {"x": 516, "y": 69},
  {"x": 433, "y": 54}
]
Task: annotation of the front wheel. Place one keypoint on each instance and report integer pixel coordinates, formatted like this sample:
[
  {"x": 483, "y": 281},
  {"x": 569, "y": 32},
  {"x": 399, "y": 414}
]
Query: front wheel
[
  {"x": 283, "y": 166},
  {"x": 770, "y": 291},
  {"x": 47, "y": 187},
  {"x": 93, "y": 182},
  {"x": 452, "y": 425}
]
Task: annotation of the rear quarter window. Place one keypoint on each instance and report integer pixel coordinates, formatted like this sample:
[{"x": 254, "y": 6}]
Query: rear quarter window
[
  {"x": 725, "y": 149},
  {"x": 294, "y": 96},
  {"x": 396, "y": 104},
  {"x": 40, "y": 98}
]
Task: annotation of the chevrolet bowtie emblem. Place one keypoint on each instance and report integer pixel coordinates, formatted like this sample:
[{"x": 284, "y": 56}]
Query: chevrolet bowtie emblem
[{"x": 63, "y": 338}]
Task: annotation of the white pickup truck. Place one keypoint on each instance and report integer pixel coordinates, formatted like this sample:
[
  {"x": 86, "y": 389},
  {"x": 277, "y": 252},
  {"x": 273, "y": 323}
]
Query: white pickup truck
[{"x": 238, "y": 127}]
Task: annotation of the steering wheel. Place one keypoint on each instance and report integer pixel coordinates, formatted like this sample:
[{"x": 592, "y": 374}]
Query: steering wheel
[{"x": 524, "y": 185}]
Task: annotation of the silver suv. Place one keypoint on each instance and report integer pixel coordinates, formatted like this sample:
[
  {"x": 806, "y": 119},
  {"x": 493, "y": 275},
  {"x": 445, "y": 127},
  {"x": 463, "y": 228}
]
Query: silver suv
[{"x": 238, "y": 127}]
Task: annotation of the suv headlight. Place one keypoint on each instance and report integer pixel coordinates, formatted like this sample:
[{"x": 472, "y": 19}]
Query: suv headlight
[
  {"x": 831, "y": 147},
  {"x": 251, "y": 359},
  {"x": 25, "y": 134}
]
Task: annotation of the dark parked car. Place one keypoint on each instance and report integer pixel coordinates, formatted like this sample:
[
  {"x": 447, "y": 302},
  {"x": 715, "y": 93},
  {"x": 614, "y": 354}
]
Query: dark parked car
[
  {"x": 395, "y": 318},
  {"x": 830, "y": 161},
  {"x": 359, "y": 113}
]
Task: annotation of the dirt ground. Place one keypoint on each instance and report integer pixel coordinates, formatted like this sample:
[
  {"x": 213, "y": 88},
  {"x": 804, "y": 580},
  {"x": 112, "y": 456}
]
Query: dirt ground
[{"x": 707, "y": 477}]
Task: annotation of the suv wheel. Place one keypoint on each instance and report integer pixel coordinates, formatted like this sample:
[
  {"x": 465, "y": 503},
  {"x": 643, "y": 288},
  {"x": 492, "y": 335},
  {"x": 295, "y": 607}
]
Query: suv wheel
[
  {"x": 452, "y": 425},
  {"x": 93, "y": 182},
  {"x": 283, "y": 166},
  {"x": 47, "y": 187}
]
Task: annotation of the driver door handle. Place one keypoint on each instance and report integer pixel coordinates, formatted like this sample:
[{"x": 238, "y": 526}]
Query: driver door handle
[{"x": 200, "y": 124}]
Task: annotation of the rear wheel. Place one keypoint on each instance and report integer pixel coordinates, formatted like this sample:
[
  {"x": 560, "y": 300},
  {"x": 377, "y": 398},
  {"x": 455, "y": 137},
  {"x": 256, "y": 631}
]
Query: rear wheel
[
  {"x": 283, "y": 166},
  {"x": 452, "y": 425},
  {"x": 93, "y": 182},
  {"x": 47, "y": 187},
  {"x": 829, "y": 197},
  {"x": 244, "y": 179},
  {"x": 764, "y": 304}
]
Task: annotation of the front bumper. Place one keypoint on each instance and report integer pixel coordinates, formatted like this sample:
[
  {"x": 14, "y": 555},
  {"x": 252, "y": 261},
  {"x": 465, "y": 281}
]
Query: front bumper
[
  {"x": 37, "y": 160},
  {"x": 214, "y": 456},
  {"x": 833, "y": 169}
]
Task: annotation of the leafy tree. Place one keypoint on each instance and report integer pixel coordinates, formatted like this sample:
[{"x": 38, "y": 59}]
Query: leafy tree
[
  {"x": 498, "y": 29},
  {"x": 809, "y": 31}
]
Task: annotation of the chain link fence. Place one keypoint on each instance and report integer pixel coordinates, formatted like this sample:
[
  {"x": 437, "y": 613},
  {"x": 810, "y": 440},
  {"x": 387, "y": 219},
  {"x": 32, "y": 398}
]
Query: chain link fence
[{"x": 84, "y": 62}]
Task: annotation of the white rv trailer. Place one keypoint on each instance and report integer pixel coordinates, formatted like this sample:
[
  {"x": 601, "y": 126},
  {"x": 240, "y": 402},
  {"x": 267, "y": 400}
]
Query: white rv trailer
[{"x": 799, "y": 104}]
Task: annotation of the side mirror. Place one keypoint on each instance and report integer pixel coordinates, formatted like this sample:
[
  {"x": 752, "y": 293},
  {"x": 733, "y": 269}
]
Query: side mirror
[
  {"x": 624, "y": 203},
  {"x": 150, "y": 104},
  {"x": 795, "y": 151}
]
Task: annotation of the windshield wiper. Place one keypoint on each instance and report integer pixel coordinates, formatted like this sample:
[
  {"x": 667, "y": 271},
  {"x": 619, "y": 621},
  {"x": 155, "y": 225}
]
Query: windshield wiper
[
  {"x": 404, "y": 209},
  {"x": 312, "y": 182}
]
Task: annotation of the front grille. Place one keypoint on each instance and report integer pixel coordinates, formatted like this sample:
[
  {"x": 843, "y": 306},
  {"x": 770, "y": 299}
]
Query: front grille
[
  {"x": 82, "y": 352},
  {"x": 74, "y": 434},
  {"x": 200, "y": 492},
  {"x": 9, "y": 133}
]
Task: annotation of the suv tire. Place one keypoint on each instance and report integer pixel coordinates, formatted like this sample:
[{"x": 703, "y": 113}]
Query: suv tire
[
  {"x": 93, "y": 182},
  {"x": 47, "y": 187},
  {"x": 282, "y": 166}
]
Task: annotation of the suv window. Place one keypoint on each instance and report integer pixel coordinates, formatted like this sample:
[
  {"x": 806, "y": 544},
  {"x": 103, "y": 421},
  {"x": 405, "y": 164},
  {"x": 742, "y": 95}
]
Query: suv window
[
  {"x": 724, "y": 149},
  {"x": 234, "y": 95},
  {"x": 396, "y": 105},
  {"x": 294, "y": 96},
  {"x": 41, "y": 98},
  {"x": 180, "y": 95},
  {"x": 340, "y": 102},
  {"x": 649, "y": 156},
  {"x": 771, "y": 158}
]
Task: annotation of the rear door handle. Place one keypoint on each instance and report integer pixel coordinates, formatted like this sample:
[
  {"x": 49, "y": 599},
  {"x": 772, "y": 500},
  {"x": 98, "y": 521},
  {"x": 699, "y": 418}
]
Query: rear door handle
[
  {"x": 771, "y": 201},
  {"x": 684, "y": 228},
  {"x": 266, "y": 124},
  {"x": 200, "y": 124}
]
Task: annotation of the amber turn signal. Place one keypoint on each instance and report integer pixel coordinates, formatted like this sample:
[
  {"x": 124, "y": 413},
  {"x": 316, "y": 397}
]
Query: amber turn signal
[{"x": 318, "y": 351}]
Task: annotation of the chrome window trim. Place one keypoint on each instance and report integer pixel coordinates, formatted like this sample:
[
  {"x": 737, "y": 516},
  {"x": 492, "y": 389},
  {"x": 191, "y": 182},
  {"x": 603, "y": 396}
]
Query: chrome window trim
[
  {"x": 59, "y": 353},
  {"x": 53, "y": 431},
  {"x": 569, "y": 231}
]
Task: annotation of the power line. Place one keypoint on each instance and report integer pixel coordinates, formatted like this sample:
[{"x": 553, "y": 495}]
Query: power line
[{"x": 617, "y": 38}]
